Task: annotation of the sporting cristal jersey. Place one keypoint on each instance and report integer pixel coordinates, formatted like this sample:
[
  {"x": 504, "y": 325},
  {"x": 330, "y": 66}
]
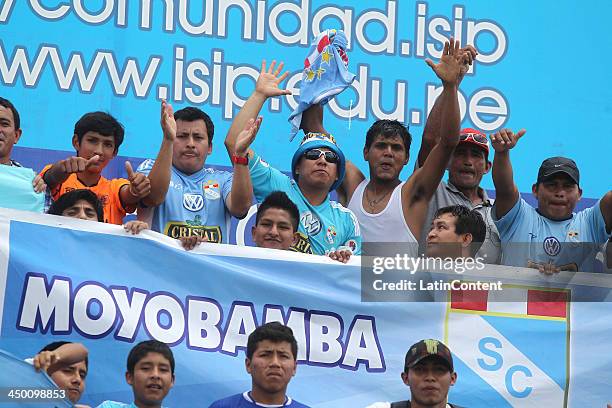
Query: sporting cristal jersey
[
  {"x": 529, "y": 239},
  {"x": 194, "y": 205},
  {"x": 323, "y": 228}
]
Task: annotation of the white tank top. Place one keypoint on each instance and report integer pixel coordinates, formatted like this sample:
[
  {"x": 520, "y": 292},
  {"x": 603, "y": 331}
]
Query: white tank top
[{"x": 388, "y": 225}]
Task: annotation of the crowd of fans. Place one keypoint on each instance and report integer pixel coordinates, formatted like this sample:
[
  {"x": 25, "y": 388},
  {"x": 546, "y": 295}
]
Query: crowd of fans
[{"x": 178, "y": 196}]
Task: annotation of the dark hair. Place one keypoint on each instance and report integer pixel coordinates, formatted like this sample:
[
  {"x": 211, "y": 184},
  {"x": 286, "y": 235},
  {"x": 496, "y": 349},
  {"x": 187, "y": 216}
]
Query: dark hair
[
  {"x": 70, "y": 198},
  {"x": 9, "y": 105},
  {"x": 276, "y": 333},
  {"x": 139, "y": 351},
  {"x": 191, "y": 114},
  {"x": 278, "y": 199},
  {"x": 102, "y": 123},
  {"x": 57, "y": 344},
  {"x": 468, "y": 222},
  {"x": 388, "y": 128}
]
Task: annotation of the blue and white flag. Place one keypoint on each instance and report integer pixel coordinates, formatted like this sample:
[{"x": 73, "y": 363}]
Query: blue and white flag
[{"x": 325, "y": 74}]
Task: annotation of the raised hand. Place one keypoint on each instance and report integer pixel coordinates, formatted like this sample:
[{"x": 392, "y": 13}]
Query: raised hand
[
  {"x": 468, "y": 55},
  {"x": 267, "y": 83},
  {"x": 448, "y": 69},
  {"x": 168, "y": 124},
  {"x": 247, "y": 135},
  {"x": 140, "y": 185},
  {"x": 505, "y": 139},
  {"x": 77, "y": 164},
  {"x": 45, "y": 359}
]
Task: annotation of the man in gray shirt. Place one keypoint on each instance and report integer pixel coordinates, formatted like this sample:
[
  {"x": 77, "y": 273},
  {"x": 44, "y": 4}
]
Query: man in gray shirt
[{"x": 469, "y": 163}]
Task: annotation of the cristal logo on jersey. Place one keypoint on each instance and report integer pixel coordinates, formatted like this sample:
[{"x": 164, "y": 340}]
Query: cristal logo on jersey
[
  {"x": 552, "y": 246},
  {"x": 211, "y": 190},
  {"x": 311, "y": 223},
  {"x": 179, "y": 229},
  {"x": 193, "y": 202},
  {"x": 302, "y": 244}
]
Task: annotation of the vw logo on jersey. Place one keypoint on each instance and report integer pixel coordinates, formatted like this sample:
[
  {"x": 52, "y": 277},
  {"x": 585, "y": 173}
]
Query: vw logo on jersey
[
  {"x": 311, "y": 223},
  {"x": 552, "y": 246},
  {"x": 193, "y": 202}
]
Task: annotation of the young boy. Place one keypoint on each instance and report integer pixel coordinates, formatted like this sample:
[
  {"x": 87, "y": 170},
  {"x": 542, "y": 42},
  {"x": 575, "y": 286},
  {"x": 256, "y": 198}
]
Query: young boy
[
  {"x": 271, "y": 362},
  {"x": 150, "y": 372},
  {"x": 66, "y": 363},
  {"x": 85, "y": 205},
  {"x": 276, "y": 222},
  {"x": 97, "y": 137}
]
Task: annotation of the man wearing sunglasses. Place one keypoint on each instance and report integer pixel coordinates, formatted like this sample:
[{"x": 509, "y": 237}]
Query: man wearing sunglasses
[
  {"x": 318, "y": 166},
  {"x": 552, "y": 237},
  {"x": 468, "y": 164}
]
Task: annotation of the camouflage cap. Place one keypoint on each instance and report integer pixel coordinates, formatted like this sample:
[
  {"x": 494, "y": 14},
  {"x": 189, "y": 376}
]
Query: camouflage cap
[{"x": 426, "y": 348}]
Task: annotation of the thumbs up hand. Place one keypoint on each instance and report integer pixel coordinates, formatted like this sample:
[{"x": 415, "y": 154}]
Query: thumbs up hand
[{"x": 140, "y": 185}]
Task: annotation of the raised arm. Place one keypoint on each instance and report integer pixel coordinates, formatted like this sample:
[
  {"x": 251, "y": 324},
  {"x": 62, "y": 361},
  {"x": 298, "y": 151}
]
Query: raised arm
[
  {"x": 59, "y": 171},
  {"x": 239, "y": 199},
  {"x": 431, "y": 132},
  {"x": 160, "y": 174},
  {"x": 506, "y": 192},
  {"x": 352, "y": 178},
  {"x": 417, "y": 192},
  {"x": 66, "y": 354},
  {"x": 266, "y": 87}
]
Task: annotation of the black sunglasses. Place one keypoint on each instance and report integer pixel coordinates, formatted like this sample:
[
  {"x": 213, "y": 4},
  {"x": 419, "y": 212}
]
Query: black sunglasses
[{"x": 314, "y": 154}]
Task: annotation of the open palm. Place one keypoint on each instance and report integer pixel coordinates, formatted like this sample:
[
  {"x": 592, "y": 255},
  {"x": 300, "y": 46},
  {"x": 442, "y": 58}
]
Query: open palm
[
  {"x": 448, "y": 69},
  {"x": 267, "y": 83},
  {"x": 247, "y": 135}
]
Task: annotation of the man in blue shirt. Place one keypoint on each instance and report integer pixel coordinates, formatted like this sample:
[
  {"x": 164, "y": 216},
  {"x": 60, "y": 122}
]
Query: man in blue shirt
[
  {"x": 552, "y": 237},
  {"x": 150, "y": 372},
  {"x": 318, "y": 165},
  {"x": 21, "y": 188},
  {"x": 187, "y": 199},
  {"x": 272, "y": 362}
]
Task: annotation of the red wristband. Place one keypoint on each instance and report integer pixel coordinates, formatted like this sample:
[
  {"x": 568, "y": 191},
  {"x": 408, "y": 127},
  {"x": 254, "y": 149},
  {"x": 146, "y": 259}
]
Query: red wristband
[{"x": 240, "y": 160}]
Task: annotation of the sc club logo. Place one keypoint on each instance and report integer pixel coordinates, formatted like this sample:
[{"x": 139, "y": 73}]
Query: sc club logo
[
  {"x": 211, "y": 190},
  {"x": 193, "y": 202},
  {"x": 552, "y": 247},
  {"x": 330, "y": 235},
  {"x": 311, "y": 223}
]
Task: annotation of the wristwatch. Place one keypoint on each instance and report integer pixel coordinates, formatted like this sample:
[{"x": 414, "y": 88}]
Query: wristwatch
[{"x": 240, "y": 160}]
